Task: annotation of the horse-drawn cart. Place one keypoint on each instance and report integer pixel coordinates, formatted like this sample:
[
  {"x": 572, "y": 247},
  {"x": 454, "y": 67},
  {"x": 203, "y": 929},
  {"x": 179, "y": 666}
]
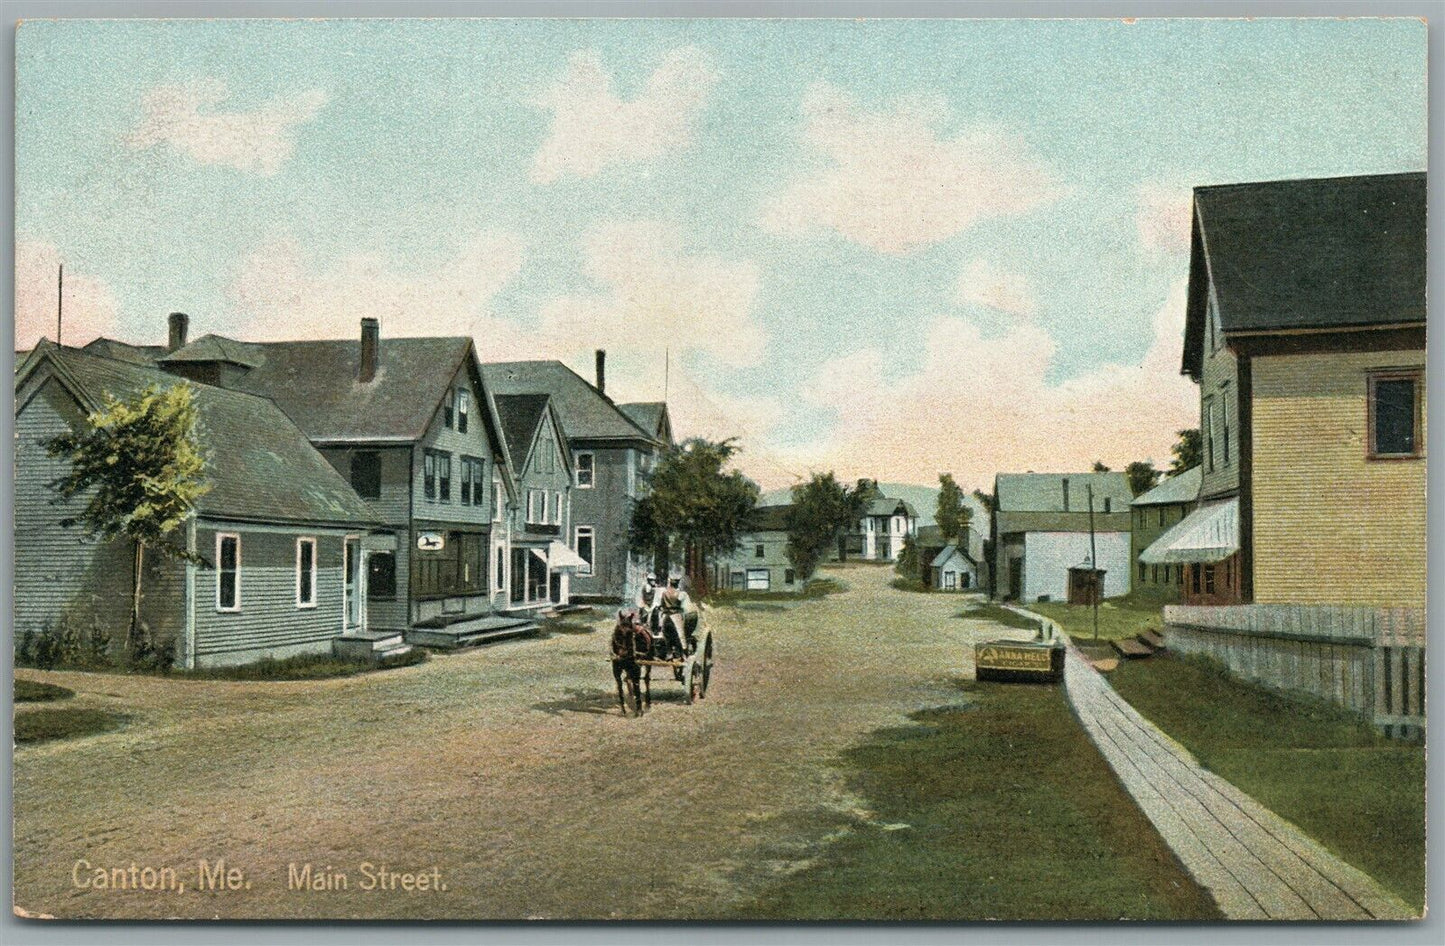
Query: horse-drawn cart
[{"x": 637, "y": 648}]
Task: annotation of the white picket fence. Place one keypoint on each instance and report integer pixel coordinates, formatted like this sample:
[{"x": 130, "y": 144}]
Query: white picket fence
[{"x": 1370, "y": 660}]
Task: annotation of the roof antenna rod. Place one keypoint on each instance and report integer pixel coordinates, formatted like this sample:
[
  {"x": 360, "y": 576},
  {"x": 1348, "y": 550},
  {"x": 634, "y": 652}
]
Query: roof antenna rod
[
  {"x": 666, "y": 371},
  {"x": 59, "y": 303}
]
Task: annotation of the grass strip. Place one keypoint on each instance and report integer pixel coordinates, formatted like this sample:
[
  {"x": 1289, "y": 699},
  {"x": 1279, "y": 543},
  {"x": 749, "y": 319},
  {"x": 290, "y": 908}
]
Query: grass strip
[{"x": 49, "y": 723}]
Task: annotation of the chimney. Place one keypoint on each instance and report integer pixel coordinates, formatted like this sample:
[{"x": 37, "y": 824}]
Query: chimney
[
  {"x": 370, "y": 338},
  {"x": 179, "y": 324},
  {"x": 602, "y": 372}
]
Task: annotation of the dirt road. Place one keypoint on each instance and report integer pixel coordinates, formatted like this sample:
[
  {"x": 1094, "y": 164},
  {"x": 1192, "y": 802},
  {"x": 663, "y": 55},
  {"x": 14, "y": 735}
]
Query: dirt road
[{"x": 507, "y": 770}]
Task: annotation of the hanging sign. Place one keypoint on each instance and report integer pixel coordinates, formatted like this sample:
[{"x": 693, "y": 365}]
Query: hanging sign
[{"x": 431, "y": 541}]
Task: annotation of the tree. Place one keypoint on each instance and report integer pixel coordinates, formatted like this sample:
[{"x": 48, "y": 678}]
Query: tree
[
  {"x": 822, "y": 510},
  {"x": 950, "y": 513},
  {"x": 141, "y": 462},
  {"x": 984, "y": 499},
  {"x": 909, "y": 564},
  {"x": 1142, "y": 476},
  {"x": 1099, "y": 467},
  {"x": 1188, "y": 451},
  {"x": 694, "y": 503}
]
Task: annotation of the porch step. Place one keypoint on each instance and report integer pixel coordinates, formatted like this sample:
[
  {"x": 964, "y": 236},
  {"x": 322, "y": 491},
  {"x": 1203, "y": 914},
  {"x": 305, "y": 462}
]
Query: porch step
[
  {"x": 1132, "y": 648},
  {"x": 367, "y": 645},
  {"x": 469, "y": 632},
  {"x": 562, "y": 610}
]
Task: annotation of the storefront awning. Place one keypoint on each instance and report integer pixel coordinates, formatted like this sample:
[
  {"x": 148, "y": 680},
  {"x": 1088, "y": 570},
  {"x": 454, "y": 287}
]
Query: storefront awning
[
  {"x": 1208, "y": 534},
  {"x": 563, "y": 557}
]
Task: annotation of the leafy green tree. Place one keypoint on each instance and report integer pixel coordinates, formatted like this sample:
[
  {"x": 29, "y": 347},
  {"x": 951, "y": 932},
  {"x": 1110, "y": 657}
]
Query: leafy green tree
[
  {"x": 141, "y": 464},
  {"x": 1142, "y": 476},
  {"x": 1188, "y": 451},
  {"x": 949, "y": 513},
  {"x": 823, "y": 510},
  {"x": 909, "y": 563},
  {"x": 693, "y": 502},
  {"x": 1099, "y": 467},
  {"x": 984, "y": 499}
]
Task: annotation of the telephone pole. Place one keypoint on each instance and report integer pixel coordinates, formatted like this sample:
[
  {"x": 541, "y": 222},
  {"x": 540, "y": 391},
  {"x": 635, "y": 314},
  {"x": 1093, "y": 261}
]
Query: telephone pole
[
  {"x": 1094, "y": 589},
  {"x": 59, "y": 303}
]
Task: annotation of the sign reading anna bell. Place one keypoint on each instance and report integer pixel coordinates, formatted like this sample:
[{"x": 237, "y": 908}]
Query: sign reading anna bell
[{"x": 1018, "y": 660}]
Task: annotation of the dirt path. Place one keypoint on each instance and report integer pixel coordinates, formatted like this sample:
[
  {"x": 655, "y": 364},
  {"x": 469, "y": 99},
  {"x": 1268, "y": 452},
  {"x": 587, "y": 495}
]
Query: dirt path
[{"x": 508, "y": 769}]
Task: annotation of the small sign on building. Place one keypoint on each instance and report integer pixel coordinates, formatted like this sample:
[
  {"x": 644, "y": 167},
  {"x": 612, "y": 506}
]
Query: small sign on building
[{"x": 431, "y": 541}]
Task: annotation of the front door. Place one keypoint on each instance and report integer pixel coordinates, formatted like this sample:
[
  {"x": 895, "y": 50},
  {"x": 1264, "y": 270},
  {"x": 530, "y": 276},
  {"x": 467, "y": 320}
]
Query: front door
[
  {"x": 556, "y": 588},
  {"x": 351, "y": 591}
]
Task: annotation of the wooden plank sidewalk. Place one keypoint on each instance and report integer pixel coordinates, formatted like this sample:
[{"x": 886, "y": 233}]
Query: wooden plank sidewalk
[{"x": 1256, "y": 865}]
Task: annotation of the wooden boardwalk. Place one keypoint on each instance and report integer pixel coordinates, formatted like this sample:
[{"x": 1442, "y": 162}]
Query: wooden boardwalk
[{"x": 1256, "y": 865}]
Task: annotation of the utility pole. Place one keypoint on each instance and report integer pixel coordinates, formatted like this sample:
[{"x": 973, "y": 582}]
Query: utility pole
[
  {"x": 666, "y": 372},
  {"x": 59, "y": 303},
  {"x": 1094, "y": 588}
]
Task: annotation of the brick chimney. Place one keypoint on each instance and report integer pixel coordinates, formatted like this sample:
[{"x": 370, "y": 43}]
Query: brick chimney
[
  {"x": 602, "y": 372},
  {"x": 370, "y": 339},
  {"x": 179, "y": 323}
]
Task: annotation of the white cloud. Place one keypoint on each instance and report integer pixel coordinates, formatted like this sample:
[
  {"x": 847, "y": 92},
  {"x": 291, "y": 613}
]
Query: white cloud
[
  {"x": 653, "y": 294},
  {"x": 90, "y": 306},
  {"x": 983, "y": 283},
  {"x": 1163, "y": 217},
  {"x": 593, "y": 128},
  {"x": 976, "y": 406},
  {"x": 259, "y": 140},
  {"x": 279, "y": 292},
  {"x": 895, "y": 184}
]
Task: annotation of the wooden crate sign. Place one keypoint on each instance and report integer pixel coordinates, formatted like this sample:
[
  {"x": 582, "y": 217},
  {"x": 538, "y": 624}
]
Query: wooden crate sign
[{"x": 1018, "y": 660}]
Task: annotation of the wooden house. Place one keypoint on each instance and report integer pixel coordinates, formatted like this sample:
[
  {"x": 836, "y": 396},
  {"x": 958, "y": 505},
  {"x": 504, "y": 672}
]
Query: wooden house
[
  {"x": 760, "y": 562},
  {"x": 283, "y": 536},
  {"x": 1155, "y": 512},
  {"x": 1041, "y": 529}
]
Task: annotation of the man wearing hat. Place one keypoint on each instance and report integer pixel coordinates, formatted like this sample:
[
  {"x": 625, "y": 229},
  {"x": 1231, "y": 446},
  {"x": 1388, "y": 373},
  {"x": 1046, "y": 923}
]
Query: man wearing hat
[{"x": 674, "y": 604}]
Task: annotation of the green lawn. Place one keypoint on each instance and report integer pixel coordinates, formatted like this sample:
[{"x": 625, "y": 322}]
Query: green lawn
[
  {"x": 1118, "y": 617},
  {"x": 997, "y": 809},
  {"x": 28, "y": 691},
  {"x": 1358, "y": 793},
  {"x": 50, "y": 722},
  {"x": 305, "y": 667},
  {"x": 1000, "y": 615}
]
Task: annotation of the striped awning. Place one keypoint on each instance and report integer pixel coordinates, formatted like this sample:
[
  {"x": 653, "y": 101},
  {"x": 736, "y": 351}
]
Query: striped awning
[{"x": 1208, "y": 534}]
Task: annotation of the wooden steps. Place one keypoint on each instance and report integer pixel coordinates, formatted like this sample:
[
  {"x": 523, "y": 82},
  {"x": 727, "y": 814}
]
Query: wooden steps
[
  {"x": 380, "y": 647},
  {"x": 468, "y": 631}
]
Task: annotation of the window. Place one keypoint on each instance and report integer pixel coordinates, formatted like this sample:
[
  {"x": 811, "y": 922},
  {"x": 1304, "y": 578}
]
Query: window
[
  {"x": 500, "y": 582},
  {"x": 584, "y": 548},
  {"x": 1108, "y": 504},
  {"x": 472, "y": 472},
  {"x": 447, "y": 414},
  {"x": 758, "y": 552},
  {"x": 463, "y": 406},
  {"x": 444, "y": 477},
  {"x": 1209, "y": 579},
  {"x": 950, "y": 581},
  {"x": 536, "y": 506},
  {"x": 556, "y": 509},
  {"x": 1224, "y": 428},
  {"x": 1179, "y": 576},
  {"x": 305, "y": 573},
  {"x": 429, "y": 474},
  {"x": 1194, "y": 577},
  {"x": 496, "y": 498},
  {"x": 1209, "y": 434},
  {"x": 758, "y": 579},
  {"x": 1161, "y": 516},
  {"x": 1154, "y": 574},
  {"x": 228, "y": 571},
  {"x": 1394, "y": 421},
  {"x": 789, "y": 576},
  {"x": 586, "y": 470},
  {"x": 381, "y": 576},
  {"x": 366, "y": 474},
  {"x": 458, "y": 567},
  {"x": 1141, "y": 571}
]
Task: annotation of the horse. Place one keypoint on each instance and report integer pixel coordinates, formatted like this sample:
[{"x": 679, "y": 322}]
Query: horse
[{"x": 631, "y": 642}]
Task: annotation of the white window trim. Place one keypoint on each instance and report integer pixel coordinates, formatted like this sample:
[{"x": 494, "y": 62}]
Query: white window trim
[
  {"x": 219, "y": 537},
  {"x": 591, "y": 469},
  {"x": 300, "y": 541},
  {"x": 463, "y": 403},
  {"x": 557, "y": 508},
  {"x": 496, "y": 498},
  {"x": 576, "y": 540}
]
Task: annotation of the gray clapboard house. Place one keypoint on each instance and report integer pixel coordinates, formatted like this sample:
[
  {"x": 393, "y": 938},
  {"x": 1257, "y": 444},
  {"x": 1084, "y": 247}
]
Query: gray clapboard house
[
  {"x": 613, "y": 448},
  {"x": 281, "y": 531},
  {"x": 409, "y": 424}
]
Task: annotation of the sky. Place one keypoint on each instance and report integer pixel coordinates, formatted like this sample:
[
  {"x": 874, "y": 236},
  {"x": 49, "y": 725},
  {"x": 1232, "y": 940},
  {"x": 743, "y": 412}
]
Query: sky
[{"x": 887, "y": 248}]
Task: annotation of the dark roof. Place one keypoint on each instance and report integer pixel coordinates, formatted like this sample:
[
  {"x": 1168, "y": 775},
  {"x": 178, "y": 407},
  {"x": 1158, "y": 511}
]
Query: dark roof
[
  {"x": 315, "y": 382},
  {"x": 1339, "y": 252},
  {"x": 769, "y": 518},
  {"x": 1044, "y": 492},
  {"x": 259, "y": 464},
  {"x": 886, "y": 506},
  {"x": 587, "y": 414},
  {"x": 124, "y": 351},
  {"x": 646, "y": 414},
  {"x": 520, "y": 414}
]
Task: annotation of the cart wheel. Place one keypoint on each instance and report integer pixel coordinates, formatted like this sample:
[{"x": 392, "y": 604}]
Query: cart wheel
[
  {"x": 690, "y": 680},
  {"x": 706, "y": 667}
]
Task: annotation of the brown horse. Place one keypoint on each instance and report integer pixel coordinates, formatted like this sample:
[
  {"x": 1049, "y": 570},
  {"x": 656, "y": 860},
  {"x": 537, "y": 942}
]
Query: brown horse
[{"x": 631, "y": 642}]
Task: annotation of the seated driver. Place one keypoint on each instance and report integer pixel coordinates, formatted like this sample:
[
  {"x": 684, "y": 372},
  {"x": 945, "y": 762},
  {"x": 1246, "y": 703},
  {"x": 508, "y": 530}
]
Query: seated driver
[
  {"x": 674, "y": 605},
  {"x": 647, "y": 599}
]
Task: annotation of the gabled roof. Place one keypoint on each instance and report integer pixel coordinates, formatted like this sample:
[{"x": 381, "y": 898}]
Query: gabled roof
[
  {"x": 587, "y": 414},
  {"x": 1044, "y": 492},
  {"x": 521, "y": 415},
  {"x": 260, "y": 466},
  {"x": 884, "y": 506},
  {"x": 1321, "y": 253},
  {"x": 315, "y": 382},
  {"x": 651, "y": 416},
  {"x": 1179, "y": 488}
]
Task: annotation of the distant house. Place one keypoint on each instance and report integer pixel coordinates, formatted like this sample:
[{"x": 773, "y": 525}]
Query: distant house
[
  {"x": 760, "y": 562},
  {"x": 411, "y": 426},
  {"x": 613, "y": 448},
  {"x": 283, "y": 535},
  {"x": 954, "y": 564},
  {"x": 542, "y": 564},
  {"x": 879, "y": 534},
  {"x": 1306, "y": 334},
  {"x": 1155, "y": 513},
  {"x": 1041, "y": 529}
]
